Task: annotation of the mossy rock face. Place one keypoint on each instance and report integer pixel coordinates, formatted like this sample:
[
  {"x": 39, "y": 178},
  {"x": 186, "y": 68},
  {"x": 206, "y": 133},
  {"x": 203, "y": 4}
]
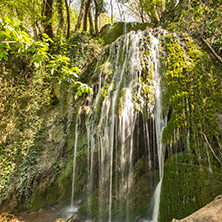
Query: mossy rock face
[
  {"x": 187, "y": 187},
  {"x": 45, "y": 197},
  {"x": 60, "y": 190},
  {"x": 109, "y": 33}
]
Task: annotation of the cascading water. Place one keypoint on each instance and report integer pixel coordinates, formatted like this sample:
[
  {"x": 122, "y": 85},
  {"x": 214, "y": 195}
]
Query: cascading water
[
  {"x": 118, "y": 133},
  {"x": 74, "y": 161},
  {"x": 118, "y": 150},
  {"x": 104, "y": 127},
  {"x": 159, "y": 125}
]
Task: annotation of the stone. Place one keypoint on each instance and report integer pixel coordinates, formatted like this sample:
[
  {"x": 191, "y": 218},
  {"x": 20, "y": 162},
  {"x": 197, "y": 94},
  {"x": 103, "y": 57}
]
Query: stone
[{"x": 210, "y": 213}]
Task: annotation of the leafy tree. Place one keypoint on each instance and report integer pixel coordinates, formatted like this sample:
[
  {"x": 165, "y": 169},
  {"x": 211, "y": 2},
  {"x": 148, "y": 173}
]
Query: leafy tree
[
  {"x": 26, "y": 11},
  {"x": 201, "y": 19},
  {"x": 27, "y": 71}
]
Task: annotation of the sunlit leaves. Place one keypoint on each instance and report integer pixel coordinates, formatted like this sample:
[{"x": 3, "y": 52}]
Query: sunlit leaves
[
  {"x": 81, "y": 89},
  {"x": 70, "y": 72},
  {"x": 23, "y": 89},
  {"x": 13, "y": 37}
]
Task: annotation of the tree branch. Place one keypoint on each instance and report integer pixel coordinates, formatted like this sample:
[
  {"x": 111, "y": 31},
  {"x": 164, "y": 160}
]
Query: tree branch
[
  {"x": 211, "y": 50},
  {"x": 205, "y": 137},
  {"x": 134, "y": 12}
]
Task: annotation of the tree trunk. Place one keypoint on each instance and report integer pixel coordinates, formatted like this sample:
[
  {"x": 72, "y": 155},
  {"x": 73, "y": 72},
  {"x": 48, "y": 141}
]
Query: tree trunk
[
  {"x": 96, "y": 24},
  {"x": 92, "y": 31},
  {"x": 61, "y": 18},
  {"x": 47, "y": 17},
  {"x": 97, "y": 13},
  {"x": 82, "y": 9},
  {"x": 141, "y": 11},
  {"x": 68, "y": 19},
  {"x": 86, "y": 15},
  {"x": 111, "y": 6}
]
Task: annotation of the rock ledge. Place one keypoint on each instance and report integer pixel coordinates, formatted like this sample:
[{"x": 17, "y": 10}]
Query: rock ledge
[{"x": 212, "y": 212}]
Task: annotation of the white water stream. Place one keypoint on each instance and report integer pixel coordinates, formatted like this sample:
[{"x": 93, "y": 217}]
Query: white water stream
[
  {"x": 74, "y": 162},
  {"x": 159, "y": 124}
]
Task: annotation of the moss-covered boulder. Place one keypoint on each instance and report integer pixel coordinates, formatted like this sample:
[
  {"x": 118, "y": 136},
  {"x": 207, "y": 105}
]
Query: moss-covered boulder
[
  {"x": 187, "y": 187},
  {"x": 109, "y": 33}
]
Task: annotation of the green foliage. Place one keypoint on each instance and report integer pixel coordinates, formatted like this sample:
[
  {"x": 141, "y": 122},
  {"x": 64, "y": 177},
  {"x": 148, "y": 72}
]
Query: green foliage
[
  {"x": 27, "y": 173},
  {"x": 11, "y": 29},
  {"x": 197, "y": 18},
  {"x": 24, "y": 91},
  {"x": 59, "y": 64},
  {"x": 81, "y": 89},
  {"x": 26, "y": 11},
  {"x": 154, "y": 9},
  {"x": 81, "y": 49},
  {"x": 27, "y": 72}
]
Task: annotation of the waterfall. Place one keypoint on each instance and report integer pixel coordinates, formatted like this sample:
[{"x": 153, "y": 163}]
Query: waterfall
[
  {"x": 74, "y": 161},
  {"x": 122, "y": 127},
  {"x": 104, "y": 127},
  {"x": 159, "y": 124}
]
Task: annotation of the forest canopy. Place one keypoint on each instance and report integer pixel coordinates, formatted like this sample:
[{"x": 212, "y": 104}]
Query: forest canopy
[{"x": 57, "y": 18}]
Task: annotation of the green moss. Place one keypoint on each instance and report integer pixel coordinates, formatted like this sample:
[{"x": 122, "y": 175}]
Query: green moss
[
  {"x": 46, "y": 197},
  {"x": 106, "y": 90},
  {"x": 62, "y": 188},
  {"x": 140, "y": 196},
  {"x": 70, "y": 137},
  {"x": 142, "y": 26},
  {"x": 182, "y": 158},
  {"x": 187, "y": 187},
  {"x": 105, "y": 67},
  {"x": 65, "y": 181},
  {"x": 120, "y": 99},
  {"x": 111, "y": 32},
  {"x": 189, "y": 82}
]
